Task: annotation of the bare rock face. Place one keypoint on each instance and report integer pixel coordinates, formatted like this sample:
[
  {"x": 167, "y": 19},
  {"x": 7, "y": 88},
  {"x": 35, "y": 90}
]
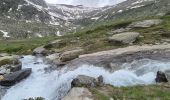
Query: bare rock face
[
  {"x": 86, "y": 81},
  {"x": 79, "y": 94},
  {"x": 70, "y": 55},
  {"x": 124, "y": 38},
  {"x": 145, "y": 23}
]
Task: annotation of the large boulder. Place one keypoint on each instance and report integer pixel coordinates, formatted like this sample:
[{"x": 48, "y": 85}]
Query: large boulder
[
  {"x": 86, "y": 81},
  {"x": 70, "y": 55},
  {"x": 161, "y": 77},
  {"x": 145, "y": 23},
  {"x": 79, "y": 94},
  {"x": 40, "y": 51},
  {"x": 124, "y": 38},
  {"x": 13, "y": 78}
]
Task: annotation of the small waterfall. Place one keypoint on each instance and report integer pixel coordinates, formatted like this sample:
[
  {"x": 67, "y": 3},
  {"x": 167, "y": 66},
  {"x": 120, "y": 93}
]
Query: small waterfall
[{"x": 54, "y": 85}]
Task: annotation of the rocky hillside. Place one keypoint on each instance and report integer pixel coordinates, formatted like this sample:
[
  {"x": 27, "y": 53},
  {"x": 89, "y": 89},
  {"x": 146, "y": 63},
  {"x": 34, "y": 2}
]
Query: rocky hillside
[{"x": 36, "y": 18}]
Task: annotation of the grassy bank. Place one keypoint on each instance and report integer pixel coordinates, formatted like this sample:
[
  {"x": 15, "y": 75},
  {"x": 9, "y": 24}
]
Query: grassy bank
[
  {"x": 24, "y": 46},
  {"x": 151, "y": 92}
]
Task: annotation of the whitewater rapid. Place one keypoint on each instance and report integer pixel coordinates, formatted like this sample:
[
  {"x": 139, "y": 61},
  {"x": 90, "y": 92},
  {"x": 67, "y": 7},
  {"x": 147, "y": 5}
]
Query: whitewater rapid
[{"x": 55, "y": 84}]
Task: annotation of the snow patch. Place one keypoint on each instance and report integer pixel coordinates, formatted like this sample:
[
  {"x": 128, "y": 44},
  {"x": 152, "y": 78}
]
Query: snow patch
[
  {"x": 39, "y": 35},
  {"x": 120, "y": 11},
  {"x": 58, "y": 33},
  {"x": 137, "y": 6},
  {"x": 5, "y": 34}
]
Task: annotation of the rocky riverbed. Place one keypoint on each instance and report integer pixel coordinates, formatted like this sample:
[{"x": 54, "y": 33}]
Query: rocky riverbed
[{"x": 140, "y": 65}]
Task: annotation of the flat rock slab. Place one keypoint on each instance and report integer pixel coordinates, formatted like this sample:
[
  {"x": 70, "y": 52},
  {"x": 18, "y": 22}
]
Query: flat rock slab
[
  {"x": 124, "y": 38},
  {"x": 13, "y": 78},
  {"x": 145, "y": 23},
  {"x": 70, "y": 55},
  {"x": 122, "y": 55}
]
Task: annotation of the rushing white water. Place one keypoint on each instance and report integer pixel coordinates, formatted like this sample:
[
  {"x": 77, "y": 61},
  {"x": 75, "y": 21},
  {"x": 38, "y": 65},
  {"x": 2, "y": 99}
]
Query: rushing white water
[{"x": 54, "y": 85}]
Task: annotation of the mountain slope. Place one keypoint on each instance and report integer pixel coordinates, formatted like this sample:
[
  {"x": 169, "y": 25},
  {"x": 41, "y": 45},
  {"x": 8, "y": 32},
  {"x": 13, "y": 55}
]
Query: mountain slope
[{"x": 36, "y": 18}]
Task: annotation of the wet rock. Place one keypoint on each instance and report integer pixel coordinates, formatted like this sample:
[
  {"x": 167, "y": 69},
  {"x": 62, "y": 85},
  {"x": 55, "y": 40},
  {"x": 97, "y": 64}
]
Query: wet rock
[
  {"x": 40, "y": 51},
  {"x": 114, "y": 66},
  {"x": 37, "y": 63},
  {"x": 86, "y": 81},
  {"x": 161, "y": 77},
  {"x": 100, "y": 79},
  {"x": 13, "y": 78},
  {"x": 79, "y": 94},
  {"x": 61, "y": 64},
  {"x": 145, "y": 23},
  {"x": 124, "y": 38},
  {"x": 54, "y": 56},
  {"x": 15, "y": 68},
  {"x": 70, "y": 55}
]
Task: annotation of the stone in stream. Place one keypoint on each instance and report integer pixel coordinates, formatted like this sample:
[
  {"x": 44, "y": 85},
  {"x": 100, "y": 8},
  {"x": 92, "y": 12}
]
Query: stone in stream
[
  {"x": 161, "y": 77},
  {"x": 86, "y": 81},
  {"x": 78, "y": 93},
  {"x": 123, "y": 38},
  {"x": 13, "y": 78}
]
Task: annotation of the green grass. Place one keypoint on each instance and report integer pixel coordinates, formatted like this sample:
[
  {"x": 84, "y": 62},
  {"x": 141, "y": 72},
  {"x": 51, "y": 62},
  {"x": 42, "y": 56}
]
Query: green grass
[
  {"x": 151, "y": 92},
  {"x": 23, "y": 46}
]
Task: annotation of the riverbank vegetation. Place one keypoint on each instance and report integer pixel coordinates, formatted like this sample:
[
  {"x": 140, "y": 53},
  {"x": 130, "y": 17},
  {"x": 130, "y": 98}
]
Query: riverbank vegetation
[{"x": 150, "y": 92}]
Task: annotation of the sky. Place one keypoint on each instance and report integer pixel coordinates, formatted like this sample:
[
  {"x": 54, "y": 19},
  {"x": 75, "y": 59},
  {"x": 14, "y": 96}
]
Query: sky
[{"x": 88, "y": 3}]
